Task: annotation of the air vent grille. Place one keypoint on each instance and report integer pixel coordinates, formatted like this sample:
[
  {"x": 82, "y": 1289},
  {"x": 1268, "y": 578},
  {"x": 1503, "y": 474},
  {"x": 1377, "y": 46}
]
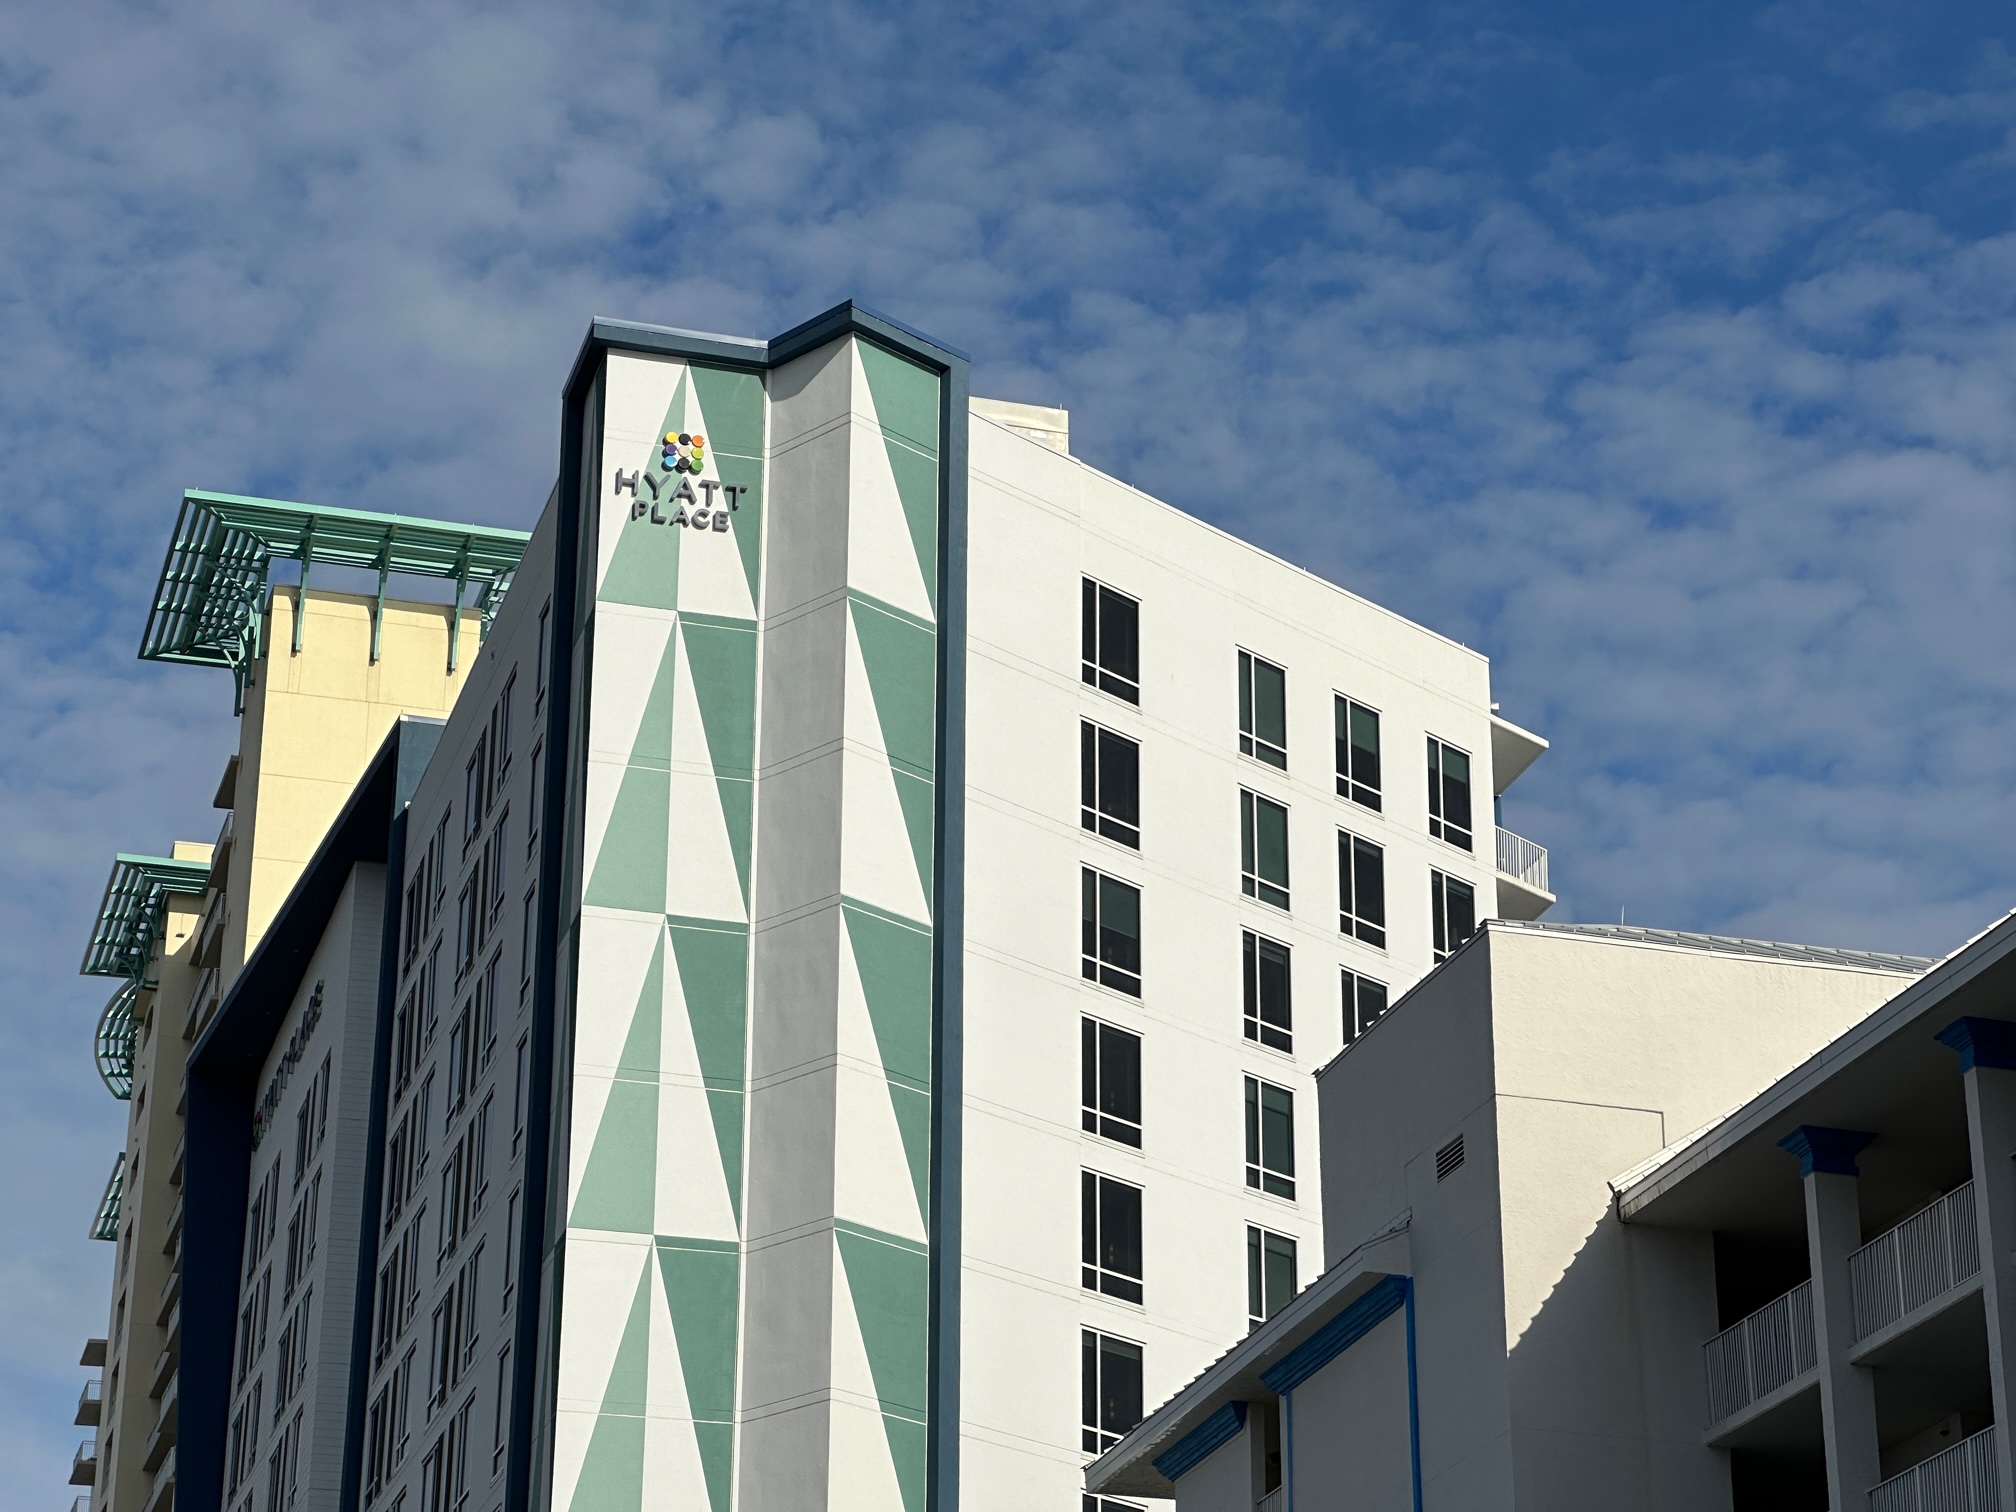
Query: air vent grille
[{"x": 1449, "y": 1159}]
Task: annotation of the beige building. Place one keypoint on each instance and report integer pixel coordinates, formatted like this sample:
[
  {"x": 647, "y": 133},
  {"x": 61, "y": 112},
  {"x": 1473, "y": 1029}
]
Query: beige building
[{"x": 317, "y": 691}]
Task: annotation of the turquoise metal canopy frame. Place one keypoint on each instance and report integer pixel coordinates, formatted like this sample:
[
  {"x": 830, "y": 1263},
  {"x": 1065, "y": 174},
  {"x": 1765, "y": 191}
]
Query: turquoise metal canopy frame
[
  {"x": 209, "y": 605},
  {"x": 130, "y": 920}
]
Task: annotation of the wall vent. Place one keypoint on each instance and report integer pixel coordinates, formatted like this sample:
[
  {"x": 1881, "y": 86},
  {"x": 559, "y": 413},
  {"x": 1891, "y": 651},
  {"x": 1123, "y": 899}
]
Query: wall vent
[{"x": 1449, "y": 1159}]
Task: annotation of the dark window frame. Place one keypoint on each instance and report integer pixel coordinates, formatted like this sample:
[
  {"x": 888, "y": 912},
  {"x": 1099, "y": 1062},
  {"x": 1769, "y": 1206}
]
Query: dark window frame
[
  {"x": 1268, "y": 1021},
  {"x": 1361, "y": 889},
  {"x": 1270, "y": 1167},
  {"x": 1109, "y": 799},
  {"x": 1100, "y": 959},
  {"x": 1451, "y": 928},
  {"x": 1264, "y": 1297},
  {"x": 1253, "y": 709},
  {"x": 1451, "y": 810},
  {"x": 1360, "y": 777},
  {"x": 1254, "y": 881},
  {"x": 1109, "y": 1104},
  {"x": 1366, "y": 1001},
  {"x": 1110, "y": 1388},
  {"x": 1110, "y": 644},
  {"x": 1110, "y": 1226}
]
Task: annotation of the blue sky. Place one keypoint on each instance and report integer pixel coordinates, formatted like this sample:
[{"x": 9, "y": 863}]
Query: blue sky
[{"x": 1667, "y": 354}]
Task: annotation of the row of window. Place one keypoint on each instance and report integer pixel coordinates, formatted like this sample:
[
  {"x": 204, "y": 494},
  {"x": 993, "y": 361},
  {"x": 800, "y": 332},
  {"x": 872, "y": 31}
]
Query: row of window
[
  {"x": 1111, "y": 662},
  {"x": 1110, "y": 923}
]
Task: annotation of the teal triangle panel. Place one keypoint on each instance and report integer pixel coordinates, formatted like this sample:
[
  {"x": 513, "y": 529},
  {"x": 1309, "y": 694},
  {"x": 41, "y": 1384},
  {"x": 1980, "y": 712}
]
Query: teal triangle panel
[
  {"x": 893, "y": 958},
  {"x": 901, "y": 656},
  {"x": 887, "y": 1277},
  {"x": 644, "y": 568}
]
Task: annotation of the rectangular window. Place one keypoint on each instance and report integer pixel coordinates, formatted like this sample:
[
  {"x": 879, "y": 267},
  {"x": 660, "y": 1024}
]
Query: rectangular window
[
  {"x": 1270, "y": 1273},
  {"x": 1110, "y": 1381},
  {"x": 518, "y": 1089},
  {"x": 1111, "y": 916},
  {"x": 510, "y": 1246},
  {"x": 500, "y": 729},
  {"x": 1263, "y": 711},
  {"x": 1112, "y": 636},
  {"x": 534, "y": 801},
  {"x": 1111, "y": 1069},
  {"x": 437, "y": 856},
  {"x": 1357, "y": 752},
  {"x": 1361, "y": 889},
  {"x": 1111, "y": 1213},
  {"x": 1270, "y": 1137},
  {"x": 1270, "y": 1017},
  {"x": 498, "y": 1413},
  {"x": 545, "y": 641},
  {"x": 468, "y": 917},
  {"x": 1364, "y": 1004},
  {"x": 530, "y": 933},
  {"x": 1453, "y": 903},
  {"x": 1448, "y": 793},
  {"x": 487, "y": 1019},
  {"x": 1263, "y": 849},
  {"x": 475, "y": 783},
  {"x": 1109, "y": 784}
]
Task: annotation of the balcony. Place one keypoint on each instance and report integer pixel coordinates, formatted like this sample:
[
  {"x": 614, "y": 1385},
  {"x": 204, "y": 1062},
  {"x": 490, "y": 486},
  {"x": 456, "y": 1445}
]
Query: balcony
[
  {"x": 84, "y": 1465},
  {"x": 90, "y": 1403},
  {"x": 82, "y": 1503},
  {"x": 1522, "y": 877},
  {"x": 1761, "y": 1357},
  {"x": 161, "y": 1442},
  {"x": 162, "y": 1498},
  {"x": 1960, "y": 1479},
  {"x": 171, "y": 1294},
  {"x": 1927, "y": 1258},
  {"x": 1274, "y": 1501}
]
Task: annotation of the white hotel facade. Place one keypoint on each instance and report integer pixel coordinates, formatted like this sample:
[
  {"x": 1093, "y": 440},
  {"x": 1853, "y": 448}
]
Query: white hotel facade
[{"x": 854, "y": 963}]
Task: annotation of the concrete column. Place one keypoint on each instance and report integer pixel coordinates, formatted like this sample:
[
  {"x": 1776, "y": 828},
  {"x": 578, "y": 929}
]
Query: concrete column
[
  {"x": 1988, "y": 1067},
  {"x": 1833, "y": 1233}
]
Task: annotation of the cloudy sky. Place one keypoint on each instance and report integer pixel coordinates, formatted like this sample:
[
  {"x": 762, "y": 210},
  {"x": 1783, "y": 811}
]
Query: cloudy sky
[{"x": 1669, "y": 359}]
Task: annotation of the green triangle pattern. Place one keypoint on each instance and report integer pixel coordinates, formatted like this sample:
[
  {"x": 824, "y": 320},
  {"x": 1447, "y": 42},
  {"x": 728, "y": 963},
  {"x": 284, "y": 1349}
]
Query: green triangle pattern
[
  {"x": 712, "y": 958},
  {"x": 702, "y": 1292},
  {"x": 917, "y": 796},
  {"x": 630, "y": 867},
  {"x": 900, "y": 652},
  {"x": 893, "y": 958},
  {"x": 619, "y": 1187},
  {"x": 721, "y": 656},
  {"x": 888, "y": 1281},
  {"x": 645, "y": 567},
  {"x": 612, "y": 1472},
  {"x": 733, "y": 404},
  {"x": 906, "y": 406}
]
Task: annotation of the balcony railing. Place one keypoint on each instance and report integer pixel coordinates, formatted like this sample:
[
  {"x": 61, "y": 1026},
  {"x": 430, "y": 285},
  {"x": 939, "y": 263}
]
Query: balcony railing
[
  {"x": 84, "y": 1466},
  {"x": 1921, "y": 1259},
  {"x": 1274, "y": 1501},
  {"x": 1770, "y": 1349},
  {"x": 90, "y": 1403},
  {"x": 1960, "y": 1479},
  {"x": 1520, "y": 858}
]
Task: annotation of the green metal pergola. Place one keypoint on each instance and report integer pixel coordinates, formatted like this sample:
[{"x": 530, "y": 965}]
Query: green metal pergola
[
  {"x": 208, "y": 607},
  {"x": 130, "y": 920}
]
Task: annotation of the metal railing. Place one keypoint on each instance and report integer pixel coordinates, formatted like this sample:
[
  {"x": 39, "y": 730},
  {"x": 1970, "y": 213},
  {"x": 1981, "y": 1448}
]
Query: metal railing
[
  {"x": 1274, "y": 1501},
  {"x": 1770, "y": 1349},
  {"x": 1960, "y": 1479},
  {"x": 1921, "y": 1259},
  {"x": 1521, "y": 858}
]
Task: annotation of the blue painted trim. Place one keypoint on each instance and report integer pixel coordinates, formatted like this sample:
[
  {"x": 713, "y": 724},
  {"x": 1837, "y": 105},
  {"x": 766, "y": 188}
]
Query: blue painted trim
[
  {"x": 1203, "y": 1441},
  {"x": 1413, "y": 1401},
  {"x": 1827, "y": 1152},
  {"x": 1984, "y": 1042},
  {"x": 1338, "y": 1335}
]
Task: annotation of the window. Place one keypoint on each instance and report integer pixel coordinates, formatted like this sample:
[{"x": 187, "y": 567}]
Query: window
[
  {"x": 1357, "y": 752},
  {"x": 1111, "y": 1213},
  {"x": 518, "y": 1087},
  {"x": 437, "y": 857},
  {"x": 1364, "y": 1004},
  {"x": 510, "y": 1246},
  {"x": 500, "y": 729},
  {"x": 1270, "y": 1273},
  {"x": 545, "y": 643},
  {"x": 1109, "y": 784},
  {"x": 1454, "y": 905},
  {"x": 1263, "y": 711},
  {"x": 1107, "y": 1504},
  {"x": 468, "y": 916},
  {"x": 1448, "y": 793},
  {"x": 486, "y": 1016},
  {"x": 534, "y": 801},
  {"x": 1361, "y": 889},
  {"x": 526, "y": 939},
  {"x": 1263, "y": 849},
  {"x": 1111, "y": 1067},
  {"x": 475, "y": 784},
  {"x": 1110, "y": 1377},
  {"x": 497, "y": 866},
  {"x": 498, "y": 1413},
  {"x": 1111, "y": 914},
  {"x": 1112, "y": 635},
  {"x": 1270, "y": 1137},
  {"x": 1270, "y": 1017}
]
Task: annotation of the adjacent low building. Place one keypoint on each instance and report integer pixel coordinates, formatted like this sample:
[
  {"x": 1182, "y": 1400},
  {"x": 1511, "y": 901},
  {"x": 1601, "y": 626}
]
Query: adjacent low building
[{"x": 1561, "y": 1274}]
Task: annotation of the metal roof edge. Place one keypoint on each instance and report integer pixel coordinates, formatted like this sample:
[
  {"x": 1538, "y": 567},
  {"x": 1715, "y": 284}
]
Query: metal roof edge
[{"x": 1637, "y": 1188}]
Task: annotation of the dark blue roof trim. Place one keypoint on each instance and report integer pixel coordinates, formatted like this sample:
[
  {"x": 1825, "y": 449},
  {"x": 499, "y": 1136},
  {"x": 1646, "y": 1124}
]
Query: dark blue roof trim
[
  {"x": 1987, "y": 1043},
  {"x": 1338, "y": 1335},
  {"x": 1203, "y": 1441}
]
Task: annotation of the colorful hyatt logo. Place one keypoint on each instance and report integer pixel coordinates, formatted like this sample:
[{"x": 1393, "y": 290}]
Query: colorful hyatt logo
[{"x": 681, "y": 457}]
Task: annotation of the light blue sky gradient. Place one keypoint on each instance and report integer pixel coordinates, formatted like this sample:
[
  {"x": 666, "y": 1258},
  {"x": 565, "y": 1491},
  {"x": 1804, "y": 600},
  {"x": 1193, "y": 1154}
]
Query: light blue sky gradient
[{"x": 1667, "y": 358}]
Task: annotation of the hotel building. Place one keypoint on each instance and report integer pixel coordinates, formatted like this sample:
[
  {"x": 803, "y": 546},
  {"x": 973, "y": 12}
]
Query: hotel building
[{"x": 819, "y": 1007}]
